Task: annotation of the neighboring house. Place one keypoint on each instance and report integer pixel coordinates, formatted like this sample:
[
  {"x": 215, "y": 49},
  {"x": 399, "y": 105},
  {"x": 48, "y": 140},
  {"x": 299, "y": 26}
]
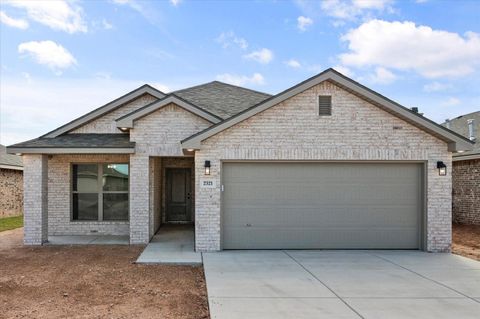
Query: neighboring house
[
  {"x": 11, "y": 184},
  {"x": 466, "y": 171},
  {"x": 327, "y": 163}
]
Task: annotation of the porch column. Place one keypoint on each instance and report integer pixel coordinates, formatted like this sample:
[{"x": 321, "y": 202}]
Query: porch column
[
  {"x": 35, "y": 199},
  {"x": 139, "y": 199}
]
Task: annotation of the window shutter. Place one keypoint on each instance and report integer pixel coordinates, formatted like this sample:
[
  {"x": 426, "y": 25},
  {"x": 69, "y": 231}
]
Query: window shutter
[{"x": 324, "y": 105}]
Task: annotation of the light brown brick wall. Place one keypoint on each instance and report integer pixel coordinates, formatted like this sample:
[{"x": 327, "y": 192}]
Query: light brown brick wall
[
  {"x": 292, "y": 130},
  {"x": 466, "y": 192},
  {"x": 11, "y": 192}
]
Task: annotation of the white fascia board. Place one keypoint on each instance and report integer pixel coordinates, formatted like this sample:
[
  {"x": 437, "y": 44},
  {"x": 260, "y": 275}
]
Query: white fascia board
[{"x": 12, "y": 167}]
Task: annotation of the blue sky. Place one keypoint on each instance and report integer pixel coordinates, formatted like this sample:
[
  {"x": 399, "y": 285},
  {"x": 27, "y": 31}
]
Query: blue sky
[{"x": 60, "y": 59}]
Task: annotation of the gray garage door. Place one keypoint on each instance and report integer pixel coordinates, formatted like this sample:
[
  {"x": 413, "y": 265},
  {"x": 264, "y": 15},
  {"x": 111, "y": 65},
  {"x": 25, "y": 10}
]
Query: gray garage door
[{"x": 321, "y": 205}]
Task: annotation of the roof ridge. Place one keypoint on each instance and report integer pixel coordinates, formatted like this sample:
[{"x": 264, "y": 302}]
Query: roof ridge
[
  {"x": 241, "y": 87},
  {"x": 223, "y": 83}
]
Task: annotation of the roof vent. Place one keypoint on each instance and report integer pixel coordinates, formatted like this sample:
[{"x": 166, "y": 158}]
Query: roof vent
[
  {"x": 415, "y": 110},
  {"x": 471, "y": 130},
  {"x": 324, "y": 105},
  {"x": 447, "y": 123}
]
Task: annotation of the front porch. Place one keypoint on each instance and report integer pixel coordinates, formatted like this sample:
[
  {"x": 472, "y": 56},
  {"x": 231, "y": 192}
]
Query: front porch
[
  {"x": 106, "y": 199},
  {"x": 173, "y": 244}
]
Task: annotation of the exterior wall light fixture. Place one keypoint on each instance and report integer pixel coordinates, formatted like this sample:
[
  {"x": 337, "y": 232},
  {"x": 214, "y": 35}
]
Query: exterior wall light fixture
[
  {"x": 442, "y": 168},
  {"x": 207, "y": 167}
]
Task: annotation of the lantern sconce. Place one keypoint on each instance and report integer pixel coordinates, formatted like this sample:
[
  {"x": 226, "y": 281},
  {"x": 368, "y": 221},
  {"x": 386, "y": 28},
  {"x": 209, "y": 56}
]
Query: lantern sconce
[
  {"x": 207, "y": 167},
  {"x": 442, "y": 168}
]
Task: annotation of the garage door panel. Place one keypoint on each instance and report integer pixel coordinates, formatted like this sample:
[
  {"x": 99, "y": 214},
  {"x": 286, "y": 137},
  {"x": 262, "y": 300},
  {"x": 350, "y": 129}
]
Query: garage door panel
[
  {"x": 319, "y": 238},
  {"x": 355, "y": 194},
  {"x": 321, "y": 205},
  {"x": 373, "y": 217}
]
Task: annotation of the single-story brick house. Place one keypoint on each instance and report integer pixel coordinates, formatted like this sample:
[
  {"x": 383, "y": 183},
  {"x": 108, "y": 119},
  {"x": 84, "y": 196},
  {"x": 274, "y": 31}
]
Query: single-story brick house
[
  {"x": 327, "y": 163},
  {"x": 466, "y": 171},
  {"x": 11, "y": 184}
]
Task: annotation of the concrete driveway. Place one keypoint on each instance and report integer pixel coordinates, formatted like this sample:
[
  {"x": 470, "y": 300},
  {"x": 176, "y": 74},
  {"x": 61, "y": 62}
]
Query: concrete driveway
[{"x": 341, "y": 284}]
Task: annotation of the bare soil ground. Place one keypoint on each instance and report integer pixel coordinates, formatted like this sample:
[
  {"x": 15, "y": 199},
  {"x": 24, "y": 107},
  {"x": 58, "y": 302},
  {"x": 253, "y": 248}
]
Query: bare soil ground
[
  {"x": 93, "y": 282},
  {"x": 466, "y": 241}
]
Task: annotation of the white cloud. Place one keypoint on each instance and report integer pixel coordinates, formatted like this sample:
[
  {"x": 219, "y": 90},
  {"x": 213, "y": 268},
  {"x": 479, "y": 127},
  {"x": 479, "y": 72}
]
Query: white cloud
[
  {"x": 48, "y": 53},
  {"x": 263, "y": 56},
  {"x": 106, "y": 25},
  {"x": 303, "y": 23},
  {"x": 293, "y": 64},
  {"x": 353, "y": 9},
  {"x": 162, "y": 87},
  {"x": 12, "y": 22},
  {"x": 32, "y": 108},
  {"x": 382, "y": 76},
  {"x": 451, "y": 101},
  {"x": 175, "y": 2},
  {"x": 229, "y": 38},
  {"x": 58, "y": 15},
  {"x": 436, "y": 86},
  {"x": 240, "y": 80},
  {"x": 405, "y": 46}
]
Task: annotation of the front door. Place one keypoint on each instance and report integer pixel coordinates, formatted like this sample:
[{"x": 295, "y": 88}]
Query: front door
[{"x": 179, "y": 195}]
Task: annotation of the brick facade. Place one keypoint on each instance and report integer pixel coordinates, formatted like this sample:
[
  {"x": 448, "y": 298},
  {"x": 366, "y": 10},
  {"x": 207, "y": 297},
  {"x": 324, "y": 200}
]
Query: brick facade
[
  {"x": 60, "y": 198},
  {"x": 35, "y": 192},
  {"x": 156, "y": 135},
  {"x": 292, "y": 130},
  {"x": 11, "y": 188},
  {"x": 466, "y": 191}
]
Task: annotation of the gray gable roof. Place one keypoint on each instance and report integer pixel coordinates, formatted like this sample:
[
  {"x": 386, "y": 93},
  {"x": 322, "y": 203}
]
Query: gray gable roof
[
  {"x": 460, "y": 126},
  {"x": 455, "y": 141},
  {"x": 221, "y": 99},
  {"x": 9, "y": 160},
  {"x": 75, "y": 143}
]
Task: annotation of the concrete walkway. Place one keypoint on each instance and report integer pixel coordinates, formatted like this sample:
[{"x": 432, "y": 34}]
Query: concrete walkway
[
  {"x": 341, "y": 284},
  {"x": 88, "y": 240},
  {"x": 173, "y": 244}
]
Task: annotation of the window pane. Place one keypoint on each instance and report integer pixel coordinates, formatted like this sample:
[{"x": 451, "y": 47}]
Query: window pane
[
  {"x": 115, "y": 177},
  {"x": 85, "y": 206},
  {"x": 85, "y": 178},
  {"x": 115, "y": 206}
]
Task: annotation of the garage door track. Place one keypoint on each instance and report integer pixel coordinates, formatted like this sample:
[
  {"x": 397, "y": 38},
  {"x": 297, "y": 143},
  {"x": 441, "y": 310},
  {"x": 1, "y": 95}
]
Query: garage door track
[{"x": 341, "y": 284}]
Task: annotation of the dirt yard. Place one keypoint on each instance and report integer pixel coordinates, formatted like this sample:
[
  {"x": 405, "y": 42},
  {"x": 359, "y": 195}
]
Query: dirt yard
[
  {"x": 466, "y": 241},
  {"x": 93, "y": 282}
]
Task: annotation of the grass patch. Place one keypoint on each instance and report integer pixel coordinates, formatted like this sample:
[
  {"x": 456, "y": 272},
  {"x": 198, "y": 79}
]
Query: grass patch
[{"x": 7, "y": 223}]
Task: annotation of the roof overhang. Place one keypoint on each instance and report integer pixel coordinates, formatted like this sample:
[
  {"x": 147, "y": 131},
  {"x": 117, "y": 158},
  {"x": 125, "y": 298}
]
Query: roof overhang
[
  {"x": 465, "y": 157},
  {"x": 144, "y": 89},
  {"x": 127, "y": 121},
  {"x": 72, "y": 150},
  {"x": 455, "y": 141}
]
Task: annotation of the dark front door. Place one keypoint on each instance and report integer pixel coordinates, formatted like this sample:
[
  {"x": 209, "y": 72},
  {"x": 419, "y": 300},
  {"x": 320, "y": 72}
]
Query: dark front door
[{"x": 179, "y": 195}]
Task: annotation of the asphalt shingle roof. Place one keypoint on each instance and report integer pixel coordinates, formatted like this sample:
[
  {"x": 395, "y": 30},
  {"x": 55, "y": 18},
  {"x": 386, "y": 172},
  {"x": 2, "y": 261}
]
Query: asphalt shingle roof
[
  {"x": 460, "y": 126},
  {"x": 80, "y": 141},
  {"x": 221, "y": 99},
  {"x": 9, "y": 159}
]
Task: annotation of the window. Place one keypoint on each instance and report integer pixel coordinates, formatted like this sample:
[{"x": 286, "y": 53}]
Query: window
[
  {"x": 324, "y": 105},
  {"x": 100, "y": 192}
]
